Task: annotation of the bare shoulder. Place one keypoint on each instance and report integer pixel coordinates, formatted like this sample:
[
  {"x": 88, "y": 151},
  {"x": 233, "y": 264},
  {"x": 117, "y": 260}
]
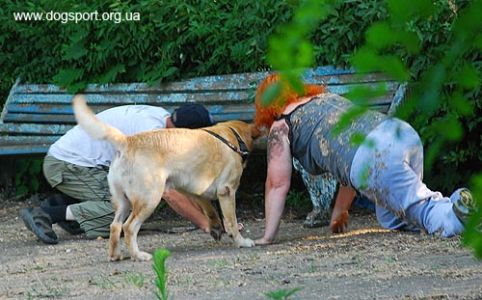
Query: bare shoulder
[
  {"x": 278, "y": 129},
  {"x": 278, "y": 139},
  {"x": 292, "y": 106}
]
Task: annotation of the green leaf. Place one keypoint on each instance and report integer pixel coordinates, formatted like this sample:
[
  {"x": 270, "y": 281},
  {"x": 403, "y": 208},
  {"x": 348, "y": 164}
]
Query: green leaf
[
  {"x": 282, "y": 294},
  {"x": 432, "y": 83},
  {"x": 271, "y": 94},
  {"x": 292, "y": 78},
  {"x": 462, "y": 105},
  {"x": 366, "y": 95},
  {"x": 410, "y": 41},
  {"x": 348, "y": 118},
  {"x": 159, "y": 266},
  {"x": 402, "y": 11},
  {"x": 169, "y": 72},
  {"x": 472, "y": 235},
  {"x": 468, "y": 77},
  {"x": 451, "y": 128},
  {"x": 357, "y": 138},
  {"x": 111, "y": 75},
  {"x": 65, "y": 77},
  {"x": 74, "y": 51},
  {"x": 365, "y": 60},
  {"x": 380, "y": 36},
  {"x": 478, "y": 42}
]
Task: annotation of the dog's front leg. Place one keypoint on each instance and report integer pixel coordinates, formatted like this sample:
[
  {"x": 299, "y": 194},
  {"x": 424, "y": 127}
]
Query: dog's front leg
[
  {"x": 215, "y": 226},
  {"x": 228, "y": 206}
]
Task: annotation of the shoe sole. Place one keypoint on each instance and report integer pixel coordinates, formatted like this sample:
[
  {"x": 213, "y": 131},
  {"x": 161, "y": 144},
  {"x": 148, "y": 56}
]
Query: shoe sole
[{"x": 30, "y": 224}]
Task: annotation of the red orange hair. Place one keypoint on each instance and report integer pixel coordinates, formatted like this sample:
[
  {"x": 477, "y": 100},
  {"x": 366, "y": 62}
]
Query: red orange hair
[{"x": 266, "y": 114}]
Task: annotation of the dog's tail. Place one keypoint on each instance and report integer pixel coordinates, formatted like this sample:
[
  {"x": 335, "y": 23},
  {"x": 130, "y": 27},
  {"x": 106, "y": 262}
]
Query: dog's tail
[{"x": 94, "y": 127}]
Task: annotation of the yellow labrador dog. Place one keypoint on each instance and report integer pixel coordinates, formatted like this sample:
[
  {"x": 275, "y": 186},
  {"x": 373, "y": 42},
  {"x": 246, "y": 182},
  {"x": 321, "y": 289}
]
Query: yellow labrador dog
[{"x": 196, "y": 162}]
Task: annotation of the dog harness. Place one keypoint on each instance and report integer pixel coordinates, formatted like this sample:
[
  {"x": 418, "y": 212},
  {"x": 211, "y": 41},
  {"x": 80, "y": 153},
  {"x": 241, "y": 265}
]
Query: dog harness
[{"x": 242, "y": 150}]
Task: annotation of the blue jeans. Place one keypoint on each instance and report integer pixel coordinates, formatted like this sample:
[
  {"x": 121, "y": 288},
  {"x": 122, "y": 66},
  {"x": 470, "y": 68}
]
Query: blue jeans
[{"x": 388, "y": 169}]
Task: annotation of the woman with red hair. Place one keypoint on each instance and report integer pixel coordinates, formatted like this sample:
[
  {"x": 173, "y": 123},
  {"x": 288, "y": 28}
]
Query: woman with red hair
[{"x": 386, "y": 168}]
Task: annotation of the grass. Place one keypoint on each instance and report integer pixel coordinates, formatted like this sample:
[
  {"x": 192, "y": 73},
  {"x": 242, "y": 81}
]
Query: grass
[
  {"x": 282, "y": 294},
  {"x": 160, "y": 256},
  {"x": 312, "y": 268},
  {"x": 219, "y": 263},
  {"x": 103, "y": 282},
  {"x": 135, "y": 278},
  {"x": 45, "y": 292}
]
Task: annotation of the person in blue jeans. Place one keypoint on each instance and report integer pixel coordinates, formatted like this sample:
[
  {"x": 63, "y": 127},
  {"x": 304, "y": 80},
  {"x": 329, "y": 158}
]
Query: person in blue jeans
[{"x": 386, "y": 168}]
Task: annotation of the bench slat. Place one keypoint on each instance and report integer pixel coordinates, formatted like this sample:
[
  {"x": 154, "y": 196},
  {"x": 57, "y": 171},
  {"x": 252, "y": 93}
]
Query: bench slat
[
  {"x": 170, "y": 99},
  {"x": 233, "y": 82},
  {"x": 246, "y": 115},
  {"x": 138, "y": 98},
  {"x": 66, "y": 109},
  {"x": 63, "y": 114},
  {"x": 34, "y": 129},
  {"x": 28, "y": 140},
  {"x": 23, "y": 150},
  {"x": 40, "y": 118}
]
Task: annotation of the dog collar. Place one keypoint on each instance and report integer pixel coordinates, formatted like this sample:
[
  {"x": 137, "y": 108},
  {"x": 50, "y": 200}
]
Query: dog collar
[{"x": 242, "y": 150}]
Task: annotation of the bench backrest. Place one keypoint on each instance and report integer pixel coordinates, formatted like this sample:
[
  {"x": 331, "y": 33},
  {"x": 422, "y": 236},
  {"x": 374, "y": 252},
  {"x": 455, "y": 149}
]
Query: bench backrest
[{"x": 36, "y": 115}]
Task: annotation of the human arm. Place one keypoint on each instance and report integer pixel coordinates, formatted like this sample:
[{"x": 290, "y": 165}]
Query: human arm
[
  {"x": 339, "y": 216},
  {"x": 187, "y": 208},
  {"x": 277, "y": 181}
]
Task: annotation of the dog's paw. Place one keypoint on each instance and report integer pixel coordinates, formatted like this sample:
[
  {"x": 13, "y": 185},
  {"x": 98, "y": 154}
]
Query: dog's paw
[
  {"x": 142, "y": 256},
  {"x": 245, "y": 243},
  {"x": 115, "y": 257},
  {"x": 216, "y": 232}
]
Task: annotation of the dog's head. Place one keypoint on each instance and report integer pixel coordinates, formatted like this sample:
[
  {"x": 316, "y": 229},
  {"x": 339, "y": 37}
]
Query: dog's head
[{"x": 247, "y": 131}]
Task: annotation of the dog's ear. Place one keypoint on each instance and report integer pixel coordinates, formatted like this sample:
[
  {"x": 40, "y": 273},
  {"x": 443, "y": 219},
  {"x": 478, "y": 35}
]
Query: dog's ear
[{"x": 257, "y": 132}]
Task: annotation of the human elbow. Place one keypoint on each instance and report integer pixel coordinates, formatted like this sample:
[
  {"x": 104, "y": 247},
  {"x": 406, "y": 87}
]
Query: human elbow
[{"x": 278, "y": 183}]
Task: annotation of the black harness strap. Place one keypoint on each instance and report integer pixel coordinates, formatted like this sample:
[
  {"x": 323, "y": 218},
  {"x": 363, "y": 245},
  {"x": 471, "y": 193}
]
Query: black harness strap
[{"x": 242, "y": 150}]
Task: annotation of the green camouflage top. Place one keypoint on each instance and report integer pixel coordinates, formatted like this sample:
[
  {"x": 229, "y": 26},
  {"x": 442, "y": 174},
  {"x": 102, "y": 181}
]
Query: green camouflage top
[{"x": 312, "y": 139}]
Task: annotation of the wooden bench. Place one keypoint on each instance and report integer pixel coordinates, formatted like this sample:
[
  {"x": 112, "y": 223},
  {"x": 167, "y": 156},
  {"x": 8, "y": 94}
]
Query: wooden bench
[{"x": 36, "y": 115}]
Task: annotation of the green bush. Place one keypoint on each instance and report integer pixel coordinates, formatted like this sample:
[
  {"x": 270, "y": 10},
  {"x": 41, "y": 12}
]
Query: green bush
[
  {"x": 173, "y": 39},
  {"x": 180, "y": 39}
]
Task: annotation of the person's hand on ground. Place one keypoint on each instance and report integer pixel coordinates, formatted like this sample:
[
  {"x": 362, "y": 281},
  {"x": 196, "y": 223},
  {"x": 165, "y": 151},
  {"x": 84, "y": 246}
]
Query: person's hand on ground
[
  {"x": 263, "y": 241},
  {"x": 339, "y": 222}
]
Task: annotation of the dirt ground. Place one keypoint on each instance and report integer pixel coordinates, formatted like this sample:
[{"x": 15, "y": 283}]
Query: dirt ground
[{"x": 366, "y": 263}]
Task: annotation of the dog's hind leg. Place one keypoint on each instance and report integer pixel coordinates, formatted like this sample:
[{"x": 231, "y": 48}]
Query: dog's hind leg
[
  {"x": 228, "y": 206},
  {"x": 142, "y": 208},
  {"x": 121, "y": 206}
]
